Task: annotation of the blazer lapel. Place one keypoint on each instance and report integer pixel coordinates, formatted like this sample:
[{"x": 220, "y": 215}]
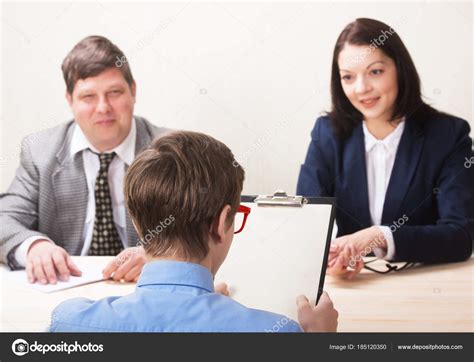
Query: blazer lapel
[
  {"x": 71, "y": 194},
  {"x": 142, "y": 141},
  {"x": 404, "y": 168},
  {"x": 355, "y": 172},
  {"x": 143, "y": 135}
]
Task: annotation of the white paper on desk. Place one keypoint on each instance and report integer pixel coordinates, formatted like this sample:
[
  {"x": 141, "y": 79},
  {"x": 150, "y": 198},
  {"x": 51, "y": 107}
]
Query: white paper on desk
[{"x": 90, "y": 274}]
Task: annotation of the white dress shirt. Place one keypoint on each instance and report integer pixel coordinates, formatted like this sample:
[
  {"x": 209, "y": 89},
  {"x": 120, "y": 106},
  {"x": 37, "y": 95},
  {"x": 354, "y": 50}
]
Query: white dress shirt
[
  {"x": 125, "y": 153},
  {"x": 379, "y": 160}
]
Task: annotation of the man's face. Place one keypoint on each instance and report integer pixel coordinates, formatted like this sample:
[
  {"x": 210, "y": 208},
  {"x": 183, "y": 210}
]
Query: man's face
[{"x": 103, "y": 107}]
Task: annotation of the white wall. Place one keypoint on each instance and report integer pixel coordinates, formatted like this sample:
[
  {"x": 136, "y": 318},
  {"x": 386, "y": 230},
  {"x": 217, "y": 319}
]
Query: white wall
[{"x": 254, "y": 75}]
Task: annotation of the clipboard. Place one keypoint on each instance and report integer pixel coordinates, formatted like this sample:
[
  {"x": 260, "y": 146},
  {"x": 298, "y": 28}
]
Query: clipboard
[{"x": 281, "y": 253}]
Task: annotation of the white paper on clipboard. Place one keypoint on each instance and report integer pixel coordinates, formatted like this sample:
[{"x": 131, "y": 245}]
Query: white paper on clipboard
[{"x": 280, "y": 254}]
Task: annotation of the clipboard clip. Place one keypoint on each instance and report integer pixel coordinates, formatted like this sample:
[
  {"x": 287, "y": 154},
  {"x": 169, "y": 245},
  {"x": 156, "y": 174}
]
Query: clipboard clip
[{"x": 280, "y": 198}]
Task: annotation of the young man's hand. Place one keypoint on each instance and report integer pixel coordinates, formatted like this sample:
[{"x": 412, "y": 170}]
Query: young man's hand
[
  {"x": 46, "y": 262},
  {"x": 127, "y": 265},
  {"x": 320, "y": 318}
]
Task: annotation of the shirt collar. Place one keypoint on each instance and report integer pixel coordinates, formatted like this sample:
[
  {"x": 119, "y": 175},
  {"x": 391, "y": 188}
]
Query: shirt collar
[
  {"x": 125, "y": 150},
  {"x": 176, "y": 273},
  {"x": 390, "y": 142}
]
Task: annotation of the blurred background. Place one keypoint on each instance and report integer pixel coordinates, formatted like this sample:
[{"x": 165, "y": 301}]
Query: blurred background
[{"x": 255, "y": 75}]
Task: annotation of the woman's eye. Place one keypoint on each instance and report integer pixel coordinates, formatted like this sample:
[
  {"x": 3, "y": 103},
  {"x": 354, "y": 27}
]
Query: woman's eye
[
  {"x": 377, "y": 71},
  {"x": 346, "y": 77}
]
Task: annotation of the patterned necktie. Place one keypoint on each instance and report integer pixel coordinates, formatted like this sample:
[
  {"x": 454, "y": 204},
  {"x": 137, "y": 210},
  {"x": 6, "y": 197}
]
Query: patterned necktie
[{"x": 105, "y": 238}]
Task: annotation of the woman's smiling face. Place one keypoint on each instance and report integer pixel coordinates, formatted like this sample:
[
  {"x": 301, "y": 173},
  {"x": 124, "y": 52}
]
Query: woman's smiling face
[{"x": 369, "y": 81}]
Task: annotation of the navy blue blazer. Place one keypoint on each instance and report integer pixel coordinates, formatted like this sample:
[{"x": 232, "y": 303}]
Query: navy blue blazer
[{"x": 429, "y": 204}]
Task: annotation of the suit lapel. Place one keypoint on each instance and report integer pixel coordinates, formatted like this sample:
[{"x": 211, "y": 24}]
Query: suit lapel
[
  {"x": 356, "y": 173},
  {"x": 143, "y": 135},
  {"x": 71, "y": 194},
  {"x": 142, "y": 141},
  {"x": 132, "y": 236},
  {"x": 404, "y": 168}
]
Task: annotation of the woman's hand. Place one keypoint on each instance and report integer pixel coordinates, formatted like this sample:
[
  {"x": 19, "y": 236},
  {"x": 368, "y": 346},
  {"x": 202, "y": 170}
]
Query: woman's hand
[
  {"x": 342, "y": 261},
  {"x": 347, "y": 252}
]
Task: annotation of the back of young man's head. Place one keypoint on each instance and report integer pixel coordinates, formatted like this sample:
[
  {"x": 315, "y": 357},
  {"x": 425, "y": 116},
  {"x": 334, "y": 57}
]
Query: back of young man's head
[{"x": 176, "y": 190}]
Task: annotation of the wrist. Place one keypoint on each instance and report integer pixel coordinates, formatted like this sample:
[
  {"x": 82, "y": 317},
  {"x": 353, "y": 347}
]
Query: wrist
[
  {"x": 35, "y": 243},
  {"x": 378, "y": 238}
]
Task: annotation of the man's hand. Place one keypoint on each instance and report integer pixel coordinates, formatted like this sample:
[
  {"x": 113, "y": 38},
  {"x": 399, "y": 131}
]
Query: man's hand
[
  {"x": 127, "y": 265},
  {"x": 321, "y": 318},
  {"x": 46, "y": 262}
]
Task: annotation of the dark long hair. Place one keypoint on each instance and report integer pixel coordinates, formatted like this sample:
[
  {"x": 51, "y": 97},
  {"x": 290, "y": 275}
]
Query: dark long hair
[{"x": 363, "y": 31}]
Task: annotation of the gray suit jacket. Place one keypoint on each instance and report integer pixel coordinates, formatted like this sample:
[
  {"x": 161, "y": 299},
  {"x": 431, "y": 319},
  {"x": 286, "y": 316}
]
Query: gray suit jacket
[{"x": 48, "y": 195}]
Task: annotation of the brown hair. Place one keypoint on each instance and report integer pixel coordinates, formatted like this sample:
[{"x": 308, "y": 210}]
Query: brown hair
[
  {"x": 176, "y": 190},
  {"x": 363, "y": 31},
  {"x": 90, "y": 57}
]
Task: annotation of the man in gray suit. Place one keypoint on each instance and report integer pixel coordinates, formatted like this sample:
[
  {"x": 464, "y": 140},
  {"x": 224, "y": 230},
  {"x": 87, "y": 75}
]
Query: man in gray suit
[{"x": 67, "y": 195}]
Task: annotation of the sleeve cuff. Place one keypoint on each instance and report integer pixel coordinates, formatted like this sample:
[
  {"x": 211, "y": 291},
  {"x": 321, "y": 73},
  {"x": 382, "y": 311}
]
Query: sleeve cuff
[
  {"x": 388, "y": 254},
  {"x": 22, "y": 250}
]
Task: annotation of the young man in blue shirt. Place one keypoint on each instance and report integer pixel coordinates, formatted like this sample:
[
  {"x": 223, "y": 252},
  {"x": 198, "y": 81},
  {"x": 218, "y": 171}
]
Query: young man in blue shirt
[{"x": 183, "y": 194}]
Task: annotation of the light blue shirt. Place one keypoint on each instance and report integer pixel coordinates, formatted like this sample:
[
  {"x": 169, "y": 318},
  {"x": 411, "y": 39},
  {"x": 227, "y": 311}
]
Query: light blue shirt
[{"x": 170, "y": 296}]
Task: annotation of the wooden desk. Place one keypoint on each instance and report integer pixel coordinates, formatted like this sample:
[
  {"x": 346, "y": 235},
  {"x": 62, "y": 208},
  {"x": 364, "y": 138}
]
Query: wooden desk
[
  {"x": 426, "y": 299},
  {"x": 436, "y": 298},
  {"x": 27, "y": 310}
]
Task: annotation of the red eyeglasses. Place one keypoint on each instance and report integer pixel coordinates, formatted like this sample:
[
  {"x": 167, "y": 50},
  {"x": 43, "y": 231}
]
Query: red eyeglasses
[{"x": 241, "y": 217}]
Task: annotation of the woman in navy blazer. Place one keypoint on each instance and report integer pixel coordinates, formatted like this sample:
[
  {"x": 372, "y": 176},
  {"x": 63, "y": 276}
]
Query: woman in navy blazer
[{"x": 420, "y": 204}]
